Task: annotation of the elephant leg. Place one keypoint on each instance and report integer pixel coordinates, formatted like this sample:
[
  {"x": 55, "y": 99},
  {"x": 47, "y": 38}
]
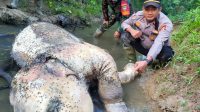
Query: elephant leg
[
  {"x": 111, "y": 94},
  {"x": 110, "y": 89}
]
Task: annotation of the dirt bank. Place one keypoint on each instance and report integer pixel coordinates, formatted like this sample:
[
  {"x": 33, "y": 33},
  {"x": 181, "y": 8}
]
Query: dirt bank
[{"x": 174, "y": 88}]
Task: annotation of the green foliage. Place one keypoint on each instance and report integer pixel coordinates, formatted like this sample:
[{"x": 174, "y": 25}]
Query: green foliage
[
  {"x": 176, "y": 8},
  {"x": 188, "y": 38},
  {"x": 179, "y": 6},
  {"x": 198, "y": 71},
  {"x": 78, "y": 8}
]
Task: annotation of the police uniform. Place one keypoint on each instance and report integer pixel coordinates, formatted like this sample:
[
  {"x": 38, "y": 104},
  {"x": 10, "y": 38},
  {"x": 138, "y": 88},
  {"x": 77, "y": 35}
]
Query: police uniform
[{"x": 156, "y": 47}]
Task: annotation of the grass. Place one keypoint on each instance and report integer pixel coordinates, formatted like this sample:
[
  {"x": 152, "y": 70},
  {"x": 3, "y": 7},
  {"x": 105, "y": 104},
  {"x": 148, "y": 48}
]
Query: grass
[
  {"x": 187, "y": 40},
  {"x": 182, "y": 77}
]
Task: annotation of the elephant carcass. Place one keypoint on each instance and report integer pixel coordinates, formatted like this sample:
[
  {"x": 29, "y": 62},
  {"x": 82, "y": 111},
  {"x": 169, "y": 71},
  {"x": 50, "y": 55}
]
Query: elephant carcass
[
  {"x": 49, "y": 87},
  {"x": 41, "y": 41}
]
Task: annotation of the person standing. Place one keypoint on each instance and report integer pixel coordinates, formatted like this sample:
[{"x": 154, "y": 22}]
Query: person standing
[{"x": 120, "y": 10}]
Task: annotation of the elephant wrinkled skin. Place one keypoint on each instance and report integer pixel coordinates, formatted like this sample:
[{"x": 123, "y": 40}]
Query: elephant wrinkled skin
[
  {"x": 41, "y": 42},
  {"x": 50, "y": 90}
]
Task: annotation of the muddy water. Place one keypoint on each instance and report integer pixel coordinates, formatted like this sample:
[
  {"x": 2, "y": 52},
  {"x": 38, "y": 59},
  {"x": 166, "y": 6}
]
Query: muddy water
[
  {"x": 5, "y": 46},
  {"x": 133, "y": 92}
]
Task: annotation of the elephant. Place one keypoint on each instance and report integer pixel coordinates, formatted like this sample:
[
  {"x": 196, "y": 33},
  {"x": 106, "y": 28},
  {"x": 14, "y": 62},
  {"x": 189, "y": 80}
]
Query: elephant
[
  {"x": 53, "y": 88},
  {"x": 41, "y": 42}
]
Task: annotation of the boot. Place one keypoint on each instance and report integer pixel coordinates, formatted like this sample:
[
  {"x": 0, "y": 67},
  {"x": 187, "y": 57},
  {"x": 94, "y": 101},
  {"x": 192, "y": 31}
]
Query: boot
[
  {"x": 98, "y": 33},
  {"x": 131, "y": 55}
]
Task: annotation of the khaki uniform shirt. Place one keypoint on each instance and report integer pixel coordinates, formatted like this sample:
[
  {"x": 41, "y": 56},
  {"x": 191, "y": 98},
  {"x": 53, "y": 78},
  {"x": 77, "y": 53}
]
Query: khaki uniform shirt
[{"x": 165, "y": 28}]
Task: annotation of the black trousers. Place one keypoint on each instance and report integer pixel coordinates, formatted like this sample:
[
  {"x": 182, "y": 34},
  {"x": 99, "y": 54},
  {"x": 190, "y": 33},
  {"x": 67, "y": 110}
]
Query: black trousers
[{"x": 164, "y": 56}]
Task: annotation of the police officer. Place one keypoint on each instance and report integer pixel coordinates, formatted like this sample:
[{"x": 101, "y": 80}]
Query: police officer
[
  {"x": 111, "y": 19},
  {"x": 148, "y": 32},
  {"x": 37, "y": 5}
]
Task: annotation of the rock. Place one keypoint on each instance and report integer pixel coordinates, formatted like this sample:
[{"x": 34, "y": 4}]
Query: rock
[
  {"x": 32, "y": 19},
  {"x": 13, "y": 16}
]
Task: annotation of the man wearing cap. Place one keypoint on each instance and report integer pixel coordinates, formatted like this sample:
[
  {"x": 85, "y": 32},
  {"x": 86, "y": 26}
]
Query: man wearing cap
[{"x": 148, "y": 32}]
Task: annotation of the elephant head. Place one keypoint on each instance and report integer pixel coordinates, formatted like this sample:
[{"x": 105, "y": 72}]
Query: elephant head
[{"x": 49, "y": 87}]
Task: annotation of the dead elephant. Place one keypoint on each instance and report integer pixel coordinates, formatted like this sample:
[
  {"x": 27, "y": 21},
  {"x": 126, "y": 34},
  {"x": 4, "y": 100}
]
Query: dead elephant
[
  {"x": 49, "y": 90},
  {"x": 41, "y": 42}
]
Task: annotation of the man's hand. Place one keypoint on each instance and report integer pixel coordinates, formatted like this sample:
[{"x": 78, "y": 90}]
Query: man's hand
[
  {"x": 140, "y": 66},
  {"x": 135, "y": 33},
  {"x": 105, "y": 22},
  {"x": 117, "y": 35}
]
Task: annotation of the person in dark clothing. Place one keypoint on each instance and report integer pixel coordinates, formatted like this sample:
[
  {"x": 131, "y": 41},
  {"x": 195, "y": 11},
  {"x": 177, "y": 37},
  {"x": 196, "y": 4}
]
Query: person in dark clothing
[{"x": 116, "y": 15}]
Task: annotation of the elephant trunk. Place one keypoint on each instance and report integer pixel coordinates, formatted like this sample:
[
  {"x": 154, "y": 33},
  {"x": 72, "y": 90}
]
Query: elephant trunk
[
  {"x": 6, "y": 76},
  {"x": 128, "y": 74}
]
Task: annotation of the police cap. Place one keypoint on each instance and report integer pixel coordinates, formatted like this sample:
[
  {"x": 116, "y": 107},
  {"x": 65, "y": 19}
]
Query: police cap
[{"x": 155, "y": 3}]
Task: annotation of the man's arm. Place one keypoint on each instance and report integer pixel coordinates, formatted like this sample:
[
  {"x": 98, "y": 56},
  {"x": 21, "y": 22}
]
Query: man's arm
[
  {"x": 105, "y": 10},
  {"x": 165, "y": 27},
  {"x": 128, "y": 22},
  {"x": 127, "y": 26}
]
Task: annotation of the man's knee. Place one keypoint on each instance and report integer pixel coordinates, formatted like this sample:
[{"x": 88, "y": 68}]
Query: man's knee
[
  {"x": 166, "y": 54},
  {"x": 126, "y": 38}
]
